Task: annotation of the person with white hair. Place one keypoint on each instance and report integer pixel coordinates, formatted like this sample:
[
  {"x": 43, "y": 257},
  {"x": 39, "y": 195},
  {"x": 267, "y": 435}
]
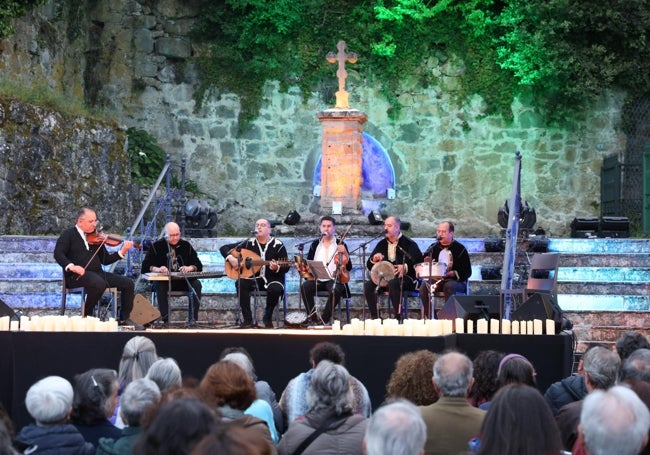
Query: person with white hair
[
  {"x": 614, "y": 421},
  {"x": 166, "y": 373},
  {"x": 49, "y": 402},
  {"x": 139, "y": 396},
  {"x": 395, "y": 428},
  {"x": 329, "y": 426}
]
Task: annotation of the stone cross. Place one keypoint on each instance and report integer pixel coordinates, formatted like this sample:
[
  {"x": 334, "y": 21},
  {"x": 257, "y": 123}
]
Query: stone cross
[{"x": 342, "y": 97}]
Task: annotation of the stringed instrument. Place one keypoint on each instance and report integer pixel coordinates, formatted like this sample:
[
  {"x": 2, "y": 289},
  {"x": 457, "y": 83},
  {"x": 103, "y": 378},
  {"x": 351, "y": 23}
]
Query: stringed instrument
[
  {"x": 250, "y": 264},
  {"x": 342, "y": 273}
]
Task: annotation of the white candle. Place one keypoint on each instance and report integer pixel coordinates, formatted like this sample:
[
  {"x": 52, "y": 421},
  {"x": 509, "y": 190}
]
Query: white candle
[
  {"x": 13, "y": 325},
  {"x": 458, "y": 324},
  {"x": 24, "y": 323},
  {"x": 529, "y": 327},
  {"x": 408, "y": 327},
  {"x": 447, "y": 326},
  {"x": 505, "y": 327},
  {"x": 537, "y": 327},
  {"x": 470, "y": 326},
  {"x": 481, "y": 326},
  {"x": 550, "y": 327},
  {"x": 336, "y": 326},
  {"x": 515, "y": 327},
  {"x": 494, "y": 326},
  {"x": 4, "y": 323},
  {"x": 434, "y": 327},
  {"x": 347, "y": 329}
]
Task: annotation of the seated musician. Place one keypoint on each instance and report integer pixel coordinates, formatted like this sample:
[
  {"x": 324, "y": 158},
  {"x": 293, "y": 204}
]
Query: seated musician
[
  {"x": 173, "y": 254},
  {"x": 334, "y": 254},
  {"x": 401, "y": 254},
  {"x": 269, "y": 277},
  {"x": 82, "y": 262},
  {"x": 459, "y": 269}
]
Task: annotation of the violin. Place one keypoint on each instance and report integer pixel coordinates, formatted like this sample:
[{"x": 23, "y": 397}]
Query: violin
[
  {"x": 100, "y": 237},
  {"x": 341, "y": 260}
]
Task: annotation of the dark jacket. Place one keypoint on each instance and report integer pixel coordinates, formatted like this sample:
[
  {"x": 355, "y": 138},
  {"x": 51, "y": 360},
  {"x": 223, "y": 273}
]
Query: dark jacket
[
  {"x": 566, "y": 391},
  {"x": 120, "y": 446},
  {"x": 159, "y": 254},
  {"x": 71, "y": 249},
  {"x": 63, "y": 439}
]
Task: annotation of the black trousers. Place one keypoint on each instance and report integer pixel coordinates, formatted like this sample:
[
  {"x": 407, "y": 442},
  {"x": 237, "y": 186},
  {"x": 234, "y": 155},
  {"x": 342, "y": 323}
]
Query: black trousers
[
  {"x": 95, "y": 283},
  {"x": 309, "y": 289},
  {"x": 162, "y": 291},
  {"x": 274, "y": 292},
  {"x": 396, "y": 288}
]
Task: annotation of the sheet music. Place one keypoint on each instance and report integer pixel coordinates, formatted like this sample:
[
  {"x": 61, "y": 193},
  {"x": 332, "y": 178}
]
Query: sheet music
[{"x": 320, "y": 270}]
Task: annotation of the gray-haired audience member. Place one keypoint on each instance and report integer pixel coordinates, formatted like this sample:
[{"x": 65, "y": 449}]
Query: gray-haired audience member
[
  {"x": 636, "y": 366},
  {"x": 166, "y": 373},
  {"x": 395, "y": 428},
  {"x": 451, "y": 421},
  {"x": 330, "y": 403},
  {"x": 49, "y": 402},
  {"x": 599, "y": 367},
  {"x": 615, "y": 421},
  {"x": 138, "y": 397},
  {"x": 629, "y": 342},
  {"x": 263, "y": 389}
]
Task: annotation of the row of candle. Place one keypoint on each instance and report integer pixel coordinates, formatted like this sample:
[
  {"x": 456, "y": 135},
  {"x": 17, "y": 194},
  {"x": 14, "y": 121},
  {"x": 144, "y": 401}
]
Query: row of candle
[
  {"x": 439, "y": 327},
  {"x": 58, "y": 324}
]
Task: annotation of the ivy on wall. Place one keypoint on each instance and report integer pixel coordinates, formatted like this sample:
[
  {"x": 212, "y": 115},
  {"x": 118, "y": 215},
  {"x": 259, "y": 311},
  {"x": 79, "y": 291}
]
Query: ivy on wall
[
  {"x": 560, "y": 53},
  {"x": 10, "y": 9}
]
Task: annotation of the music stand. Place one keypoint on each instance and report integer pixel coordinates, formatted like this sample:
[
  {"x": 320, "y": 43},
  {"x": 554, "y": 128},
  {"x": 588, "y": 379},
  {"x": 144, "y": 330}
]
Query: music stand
[{"x": 321, "y": 273}]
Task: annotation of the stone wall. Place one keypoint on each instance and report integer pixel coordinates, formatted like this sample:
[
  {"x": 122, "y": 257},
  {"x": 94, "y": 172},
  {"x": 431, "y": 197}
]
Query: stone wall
[{"x": 451, "y": 161}]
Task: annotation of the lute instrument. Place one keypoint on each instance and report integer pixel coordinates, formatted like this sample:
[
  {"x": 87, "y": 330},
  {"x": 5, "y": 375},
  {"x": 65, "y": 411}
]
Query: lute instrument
[{"x": 249, "y": 264}]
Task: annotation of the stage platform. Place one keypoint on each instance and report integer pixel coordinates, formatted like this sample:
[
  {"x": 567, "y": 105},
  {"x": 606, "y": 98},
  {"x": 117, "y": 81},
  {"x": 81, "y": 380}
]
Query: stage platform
[{"x": 279, "y": 355}]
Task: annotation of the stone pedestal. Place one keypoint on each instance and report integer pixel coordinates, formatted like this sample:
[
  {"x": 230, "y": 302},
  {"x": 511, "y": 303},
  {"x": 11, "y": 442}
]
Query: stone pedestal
[{"x": 341, "y": 163}]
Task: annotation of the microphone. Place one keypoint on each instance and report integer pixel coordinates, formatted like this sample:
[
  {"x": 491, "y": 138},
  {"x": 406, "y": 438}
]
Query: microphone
[
  {"x": 254, "y": 232},
  {"x": 323, "y": 234}
]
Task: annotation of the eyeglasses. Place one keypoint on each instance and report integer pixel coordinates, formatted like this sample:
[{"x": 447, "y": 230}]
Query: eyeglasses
[
  {"x": 89, "y": 221},
  {"x": 175, "y": 235}
]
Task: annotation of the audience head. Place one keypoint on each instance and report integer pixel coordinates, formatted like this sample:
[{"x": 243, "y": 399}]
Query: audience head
[
  {"x": 396, "y": 428},
  {"x": 138, "y": 397},
  {"x": 242, "y": 360},
  {"x": 636, "y": 366},
  {"x": 165, "y": 373},
  {"x": 326, "y": 351},
  {"x": 227, "y": 384},
  {"x": 239, "y": 350},
  {"x": 614, "y": 421},
  {"x": 486, "y": 366},
  {"x": 600, "y": 366},
  {"x": 452, "y": 374},
  {"x": 519, "y": 421},
  {"x": 516, "y": 369},
  {"x": 177, "y": 427},
  {"x": 49, "y": 400},
  {"x": 411, "y": 378},
  {"x": 330, "y": 388},
  {"x": 138, "y": 355},
  {"x": 231, "y": 437},
  {"x": 629, "y": 342},
  {"x": 95, "y": 395}
]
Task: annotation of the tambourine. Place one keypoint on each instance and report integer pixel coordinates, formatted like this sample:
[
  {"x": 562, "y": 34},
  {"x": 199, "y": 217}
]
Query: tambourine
[
  {"x": 296, "y": 319},
  {"x": 382, "y": 272}
]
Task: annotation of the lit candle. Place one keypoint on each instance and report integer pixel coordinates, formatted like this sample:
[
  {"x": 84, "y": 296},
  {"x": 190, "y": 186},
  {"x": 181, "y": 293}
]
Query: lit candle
[
  {"x": 447, "y": 326},
  {"x": 481, "y": 326},
  {"x": 537, "y": 327},
  {"x": 470, "y": 326},
  {"x": 505, "y": 326},
  {"x": 458, "y": 324},
  {"x": 529, "y": 327},
  {"x": 494, "y": 326},
  {"x": 515, "y": 327},
  {"x": 4, "y": 323},
  {"x": 550, "y": 327}
]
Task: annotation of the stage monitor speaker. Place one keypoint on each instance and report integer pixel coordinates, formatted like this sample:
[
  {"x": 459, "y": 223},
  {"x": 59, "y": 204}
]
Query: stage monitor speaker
[
  {"x": 540, "y": 306},
  {"x": 143, "y": 312},
  {"x": 470, "y": 307},
  {"x": 5, "y": 310}
]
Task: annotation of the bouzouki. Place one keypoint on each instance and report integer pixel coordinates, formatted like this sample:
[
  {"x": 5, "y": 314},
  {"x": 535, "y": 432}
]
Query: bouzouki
[{"x": 250, "y": 264}]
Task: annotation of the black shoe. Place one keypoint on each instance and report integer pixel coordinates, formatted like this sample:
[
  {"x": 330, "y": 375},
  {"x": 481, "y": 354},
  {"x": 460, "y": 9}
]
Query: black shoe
[
  {"x": 130, "y": 323},
  {"x": 246, "y": 325},
  {"x": 268, "y": 325}
]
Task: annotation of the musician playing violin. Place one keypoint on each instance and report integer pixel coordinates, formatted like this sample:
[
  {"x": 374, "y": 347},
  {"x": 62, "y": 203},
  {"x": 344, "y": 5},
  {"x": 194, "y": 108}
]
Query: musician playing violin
[
  {"x": 402, "y": 253},
  {"x": 334, "y": 254},
  {"x": 458, "y": 269},
  {"x": 269, "y": 277},
  {"x": 172, "y": 253},
  {"x": 82, "y": 262}
]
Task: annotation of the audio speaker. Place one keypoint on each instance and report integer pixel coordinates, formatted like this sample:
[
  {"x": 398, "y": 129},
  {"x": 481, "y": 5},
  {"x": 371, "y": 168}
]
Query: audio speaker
[
  {"x": 5, "y": 310},
  {"x": 541, "y": 306},
  {"x": 470, "y": 307},
  {"x": 143, "y": 312}
]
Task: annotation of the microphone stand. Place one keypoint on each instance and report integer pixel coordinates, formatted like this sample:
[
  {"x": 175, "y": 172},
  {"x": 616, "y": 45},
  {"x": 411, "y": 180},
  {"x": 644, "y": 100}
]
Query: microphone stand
[
  {"x": 363, "y": 247},
  {"x": 170, "y": 263},
  {"x": 193, "y": 295},
  {"x": 238, "y": 248},
  {"x": 301, "y": 249}
]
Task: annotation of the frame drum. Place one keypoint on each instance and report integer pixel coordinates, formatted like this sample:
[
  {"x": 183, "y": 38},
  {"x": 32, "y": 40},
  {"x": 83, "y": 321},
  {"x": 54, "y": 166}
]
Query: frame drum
[{"x": 431, "y": 270}]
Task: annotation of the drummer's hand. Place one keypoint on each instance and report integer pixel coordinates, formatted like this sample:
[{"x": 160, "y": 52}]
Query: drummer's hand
[
  {"x": 378, "y": 257},
  {"x": 426, "y": 259},
  {"x": 399, "y": 270}
]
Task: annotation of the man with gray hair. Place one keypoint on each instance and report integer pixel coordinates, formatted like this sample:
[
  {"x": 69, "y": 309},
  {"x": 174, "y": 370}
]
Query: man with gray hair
[
  {"x": 451, "y": 421},
  {"x": 396, "y": 428},
  {"x": 49, "y": 402},
  {"x": 636, "y": 366},
  {"x": 138, "y": 397},
  {"x": 599, "y": 367},
  {"x": 614, "y": 421}
]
